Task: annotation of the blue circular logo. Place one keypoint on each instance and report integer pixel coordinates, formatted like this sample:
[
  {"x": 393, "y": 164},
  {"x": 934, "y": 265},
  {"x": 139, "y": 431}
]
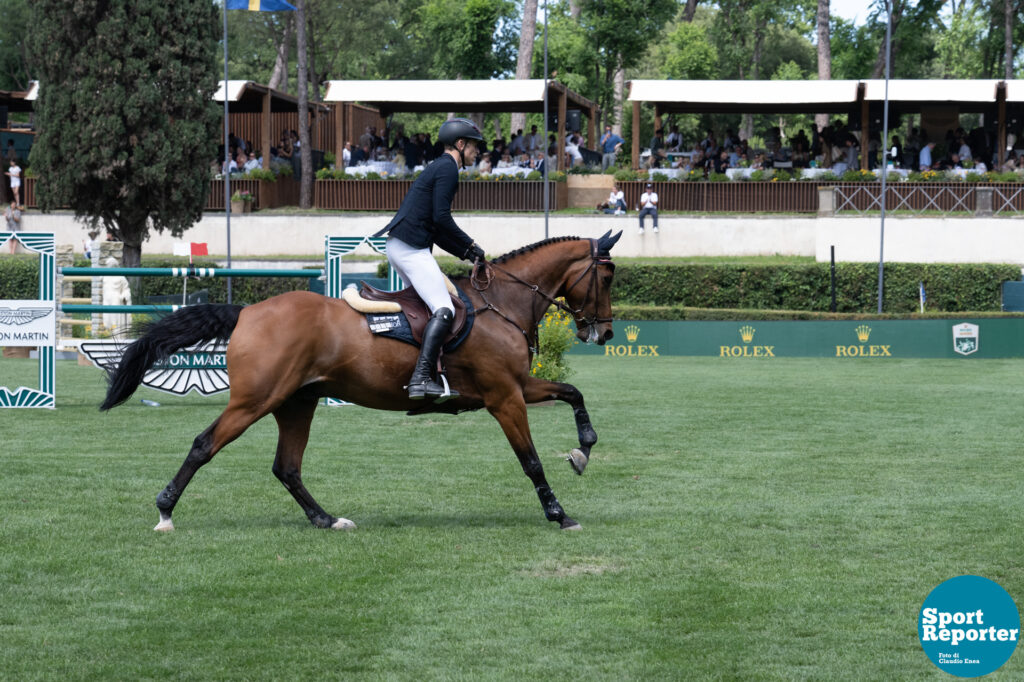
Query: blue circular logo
[{"x": 969, "y": 626}]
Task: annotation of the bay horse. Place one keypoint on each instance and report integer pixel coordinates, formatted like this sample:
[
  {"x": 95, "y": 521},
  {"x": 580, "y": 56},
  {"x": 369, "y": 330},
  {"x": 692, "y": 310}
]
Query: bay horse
[{"x": 289, "y": 351}]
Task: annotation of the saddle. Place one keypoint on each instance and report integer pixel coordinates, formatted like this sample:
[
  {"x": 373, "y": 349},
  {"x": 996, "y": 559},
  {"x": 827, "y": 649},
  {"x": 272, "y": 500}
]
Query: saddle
[{"x": 403, "y": 315}]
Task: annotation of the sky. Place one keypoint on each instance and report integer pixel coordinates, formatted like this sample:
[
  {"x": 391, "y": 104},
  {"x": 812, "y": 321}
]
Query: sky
[{"x": 856, "y": 10}]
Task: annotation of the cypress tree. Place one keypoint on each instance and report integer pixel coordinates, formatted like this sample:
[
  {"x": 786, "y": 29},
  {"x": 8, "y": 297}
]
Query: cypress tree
[{"x": 127, "y": 127}]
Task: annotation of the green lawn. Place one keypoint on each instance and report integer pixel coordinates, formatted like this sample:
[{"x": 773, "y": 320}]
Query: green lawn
[{"x": 772, "y": 520}]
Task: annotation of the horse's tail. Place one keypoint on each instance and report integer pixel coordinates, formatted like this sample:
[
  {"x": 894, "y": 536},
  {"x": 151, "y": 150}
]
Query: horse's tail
[{"x": 187, "y": 326}]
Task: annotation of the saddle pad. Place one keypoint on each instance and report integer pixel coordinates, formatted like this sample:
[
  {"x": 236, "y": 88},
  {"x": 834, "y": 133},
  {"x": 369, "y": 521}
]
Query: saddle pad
[{"x": 396, "y": 326}]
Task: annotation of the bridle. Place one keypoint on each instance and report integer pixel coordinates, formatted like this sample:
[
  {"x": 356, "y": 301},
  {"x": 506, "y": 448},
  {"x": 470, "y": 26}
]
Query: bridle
[{"x": 482, "y": 276}]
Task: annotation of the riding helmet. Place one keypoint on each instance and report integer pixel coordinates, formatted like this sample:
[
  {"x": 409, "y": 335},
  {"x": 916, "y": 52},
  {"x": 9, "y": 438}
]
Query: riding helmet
[{"x": 458, "y": 128}]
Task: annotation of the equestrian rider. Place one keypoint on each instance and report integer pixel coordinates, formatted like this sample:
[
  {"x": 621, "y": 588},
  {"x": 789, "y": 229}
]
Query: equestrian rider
[{"x": 425, "y": 219}]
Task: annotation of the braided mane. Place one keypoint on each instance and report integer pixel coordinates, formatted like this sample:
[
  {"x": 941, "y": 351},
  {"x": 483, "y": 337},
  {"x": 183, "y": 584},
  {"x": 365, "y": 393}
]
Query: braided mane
[{"x": 532, "y": 247}]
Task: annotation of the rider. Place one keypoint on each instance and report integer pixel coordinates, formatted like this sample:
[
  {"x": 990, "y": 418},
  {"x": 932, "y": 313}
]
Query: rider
[{"x": 425, "y": 219}]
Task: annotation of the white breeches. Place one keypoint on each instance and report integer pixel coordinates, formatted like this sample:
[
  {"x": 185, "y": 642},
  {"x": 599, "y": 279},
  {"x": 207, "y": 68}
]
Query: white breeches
[{"x": 418, "y": 269}]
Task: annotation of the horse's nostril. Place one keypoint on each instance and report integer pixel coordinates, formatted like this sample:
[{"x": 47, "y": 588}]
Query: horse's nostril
[{"x": 608, "y": 335}]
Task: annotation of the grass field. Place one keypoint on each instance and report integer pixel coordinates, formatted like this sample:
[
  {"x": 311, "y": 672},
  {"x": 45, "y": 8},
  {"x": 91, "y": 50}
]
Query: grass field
[{"x": 741, "y": 521}]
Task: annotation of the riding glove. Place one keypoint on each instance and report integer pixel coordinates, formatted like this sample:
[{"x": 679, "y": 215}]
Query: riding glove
[{"x": 474, "y": 253}]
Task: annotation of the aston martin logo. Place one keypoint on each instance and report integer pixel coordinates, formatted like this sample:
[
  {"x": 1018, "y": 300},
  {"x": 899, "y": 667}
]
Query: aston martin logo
[
  {"x": 22, "y": 315},
  {"x": 201, "y": 368}
]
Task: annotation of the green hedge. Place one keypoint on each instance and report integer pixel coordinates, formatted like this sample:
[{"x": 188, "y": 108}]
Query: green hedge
[
  {"x": 651, "y": 312},
  {"x": 949, "y": 288},
  {"x": 659, "y": 290},
  {"x": 19, "y": 279}
]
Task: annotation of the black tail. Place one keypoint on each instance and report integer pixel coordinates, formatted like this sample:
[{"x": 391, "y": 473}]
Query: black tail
[{"x": 188, "y": 326}]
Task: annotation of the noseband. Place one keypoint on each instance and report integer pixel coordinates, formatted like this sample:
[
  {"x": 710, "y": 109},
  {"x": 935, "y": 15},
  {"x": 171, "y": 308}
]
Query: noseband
[{"x": 482, "y": 277}]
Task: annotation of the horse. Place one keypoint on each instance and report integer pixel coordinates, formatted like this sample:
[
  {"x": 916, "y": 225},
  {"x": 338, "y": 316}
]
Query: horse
[{"x": 288, "y": 352}]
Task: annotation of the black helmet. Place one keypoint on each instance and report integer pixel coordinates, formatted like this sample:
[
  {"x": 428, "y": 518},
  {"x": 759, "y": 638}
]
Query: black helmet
[{"x": 458, "y": 128}]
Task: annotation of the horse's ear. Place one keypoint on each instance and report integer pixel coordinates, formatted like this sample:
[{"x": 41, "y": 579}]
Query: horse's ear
[
  {"x": 604, "y": 236},
  {"x": 605, "y": 243}
]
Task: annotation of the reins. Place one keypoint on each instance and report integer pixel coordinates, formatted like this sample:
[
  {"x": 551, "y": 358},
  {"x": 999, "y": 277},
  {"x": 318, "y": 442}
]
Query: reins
[{"x": 482, "y": 276}]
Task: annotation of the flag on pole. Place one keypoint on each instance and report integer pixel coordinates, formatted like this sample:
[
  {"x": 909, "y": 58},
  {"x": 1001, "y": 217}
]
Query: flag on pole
[
  {"x": 190, "y": 249},
  {"x": 260, "y": 5}
]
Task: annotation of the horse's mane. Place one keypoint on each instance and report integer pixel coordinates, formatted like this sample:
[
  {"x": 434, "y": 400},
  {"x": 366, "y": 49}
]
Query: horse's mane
[{"x": 532, "y": 247}]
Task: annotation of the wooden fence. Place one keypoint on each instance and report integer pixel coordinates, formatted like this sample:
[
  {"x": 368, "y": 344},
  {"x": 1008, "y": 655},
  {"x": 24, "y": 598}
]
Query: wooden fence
[
  {"x": 387, "y": 195},
  {"x": 694, "y": 197}
]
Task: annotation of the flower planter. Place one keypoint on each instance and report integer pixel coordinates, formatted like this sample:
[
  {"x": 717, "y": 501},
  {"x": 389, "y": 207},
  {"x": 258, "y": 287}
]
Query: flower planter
[{"x": 587, "y": 191}]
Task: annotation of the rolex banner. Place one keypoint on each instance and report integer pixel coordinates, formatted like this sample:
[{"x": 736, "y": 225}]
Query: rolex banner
[
  {"x": 28, "y": 323},
  {"x": 871, "y": 340}
]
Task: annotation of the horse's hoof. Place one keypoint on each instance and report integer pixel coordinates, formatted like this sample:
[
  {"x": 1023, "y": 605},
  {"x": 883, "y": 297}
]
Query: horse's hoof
[
  {"x": 343, "y": 524},
  {"x": 577, "y": 460},
  {"x": 569, "y": 524},
  {"x": 165, "y": 525}
]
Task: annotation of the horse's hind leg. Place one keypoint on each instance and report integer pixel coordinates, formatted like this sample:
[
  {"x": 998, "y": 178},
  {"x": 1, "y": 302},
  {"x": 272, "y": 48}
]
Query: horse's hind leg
[
  {"x": 511, "y": 414},
  {"x": 227, "y": 427},
  {"x": 293, "y": 419},
  {"x": 537, "y": 390}
]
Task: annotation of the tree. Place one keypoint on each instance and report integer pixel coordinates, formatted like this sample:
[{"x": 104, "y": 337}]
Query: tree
[
  {"x": 524, "y": 61},
  {"x": 127, "y": 125},
  {"x": 824, "y": 53},
  {"x": 619, "y": 33},
  {"x": 15, "y": 73},
  {"x": 472, "y": 39},
  {"x": 305, "y": 152}
]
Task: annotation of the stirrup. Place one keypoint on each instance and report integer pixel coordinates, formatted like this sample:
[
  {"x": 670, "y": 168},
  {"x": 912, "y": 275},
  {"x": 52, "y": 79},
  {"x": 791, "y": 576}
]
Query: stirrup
[{"x": 430, "y": 388}]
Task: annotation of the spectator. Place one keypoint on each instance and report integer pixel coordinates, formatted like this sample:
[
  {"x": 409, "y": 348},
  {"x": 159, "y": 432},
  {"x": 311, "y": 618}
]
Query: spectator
[
  {"x": 925, "y": 161},
  {"x": 506, "y": 160},
  {"x": 346, "y": 155},
  {"x": 229, "y": 167},
  {"x": 610, "y": 146},
  {"x": 674, "y": 141},
  {"x": 284, "y": 149},
  {"x": 896, "y": 158},
  {"x": 484, "y": 166},
  {"x": 366, "y": 139},
  {"x": 525, "y": 161},
  {"x": 648, "y": 206},
  {"x": 517, "y": 146},
  {"x": 533, "y": 141},
  {"x": 413, "y": 153},
  {"x": 254, "y": 163},
  {"x": 361, "y": 155},
  {"x": 721, "y": 165},
  {"x": 964, "y": 150},
  {"x": 14, "y": 173},
  {"x": 616, "y": 204},
  {"x": 497, "y": 149},
  {"x": 572, "y": 150},
  {"x": 658, "y": 153},
  {"x": 13, "y": 217},
  {"x": 913, "y": 149}
]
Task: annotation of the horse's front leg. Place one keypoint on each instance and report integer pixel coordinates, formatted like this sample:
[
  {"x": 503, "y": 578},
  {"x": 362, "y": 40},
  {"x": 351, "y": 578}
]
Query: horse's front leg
[
  {"x": 537, "y": 390},
  {"x": 510, "y": 412}
]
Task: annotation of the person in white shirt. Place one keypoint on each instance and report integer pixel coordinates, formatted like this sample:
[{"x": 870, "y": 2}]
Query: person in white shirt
[
  {"x": 616, "y": 204},
  {"x": 648, "y": 206}
]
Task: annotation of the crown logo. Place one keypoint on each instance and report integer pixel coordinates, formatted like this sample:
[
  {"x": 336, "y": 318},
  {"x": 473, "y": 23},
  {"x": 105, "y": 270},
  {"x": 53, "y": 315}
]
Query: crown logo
[
  {"x": 632, "y": 332},
  {"x": 747, "y": 333},
  {"x": 863, "y": 332}
]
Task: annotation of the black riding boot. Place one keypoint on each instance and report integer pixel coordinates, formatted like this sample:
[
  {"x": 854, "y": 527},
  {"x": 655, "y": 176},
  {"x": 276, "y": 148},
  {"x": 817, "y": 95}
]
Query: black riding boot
[{"x": 422, "y": 382}]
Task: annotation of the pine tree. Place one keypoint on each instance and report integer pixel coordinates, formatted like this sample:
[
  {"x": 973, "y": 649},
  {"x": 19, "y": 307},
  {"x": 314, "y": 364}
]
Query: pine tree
[{"x": 127, "y": 127}]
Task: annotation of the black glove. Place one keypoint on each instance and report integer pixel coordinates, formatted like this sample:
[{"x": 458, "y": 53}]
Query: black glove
[{"x": 474, "y": 253}]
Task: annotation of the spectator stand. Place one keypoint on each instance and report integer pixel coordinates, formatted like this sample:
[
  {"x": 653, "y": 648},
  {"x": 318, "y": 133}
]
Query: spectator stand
[
  {"x": 260, "y": 115},
  {"x": 466, "y": 96},
  {"x": 939, "y": 102}
]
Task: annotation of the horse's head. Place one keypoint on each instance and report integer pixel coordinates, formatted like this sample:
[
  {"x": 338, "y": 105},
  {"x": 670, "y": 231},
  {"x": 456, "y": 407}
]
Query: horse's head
[{"x": 587, "y": 291}]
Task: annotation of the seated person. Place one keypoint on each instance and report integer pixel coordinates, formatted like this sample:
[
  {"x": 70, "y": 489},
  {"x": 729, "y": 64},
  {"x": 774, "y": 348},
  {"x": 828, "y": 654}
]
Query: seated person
[
  {"x": 253, "y": 163},
  {"x": 722, "y": 162},
  {"x": 484, "y": 167},
  {"x": 506, "y": 160},
  {"x": 525, "y": 161},
  {"x": 616, "y": 204},
  {"x": 758, "y": 162}
]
